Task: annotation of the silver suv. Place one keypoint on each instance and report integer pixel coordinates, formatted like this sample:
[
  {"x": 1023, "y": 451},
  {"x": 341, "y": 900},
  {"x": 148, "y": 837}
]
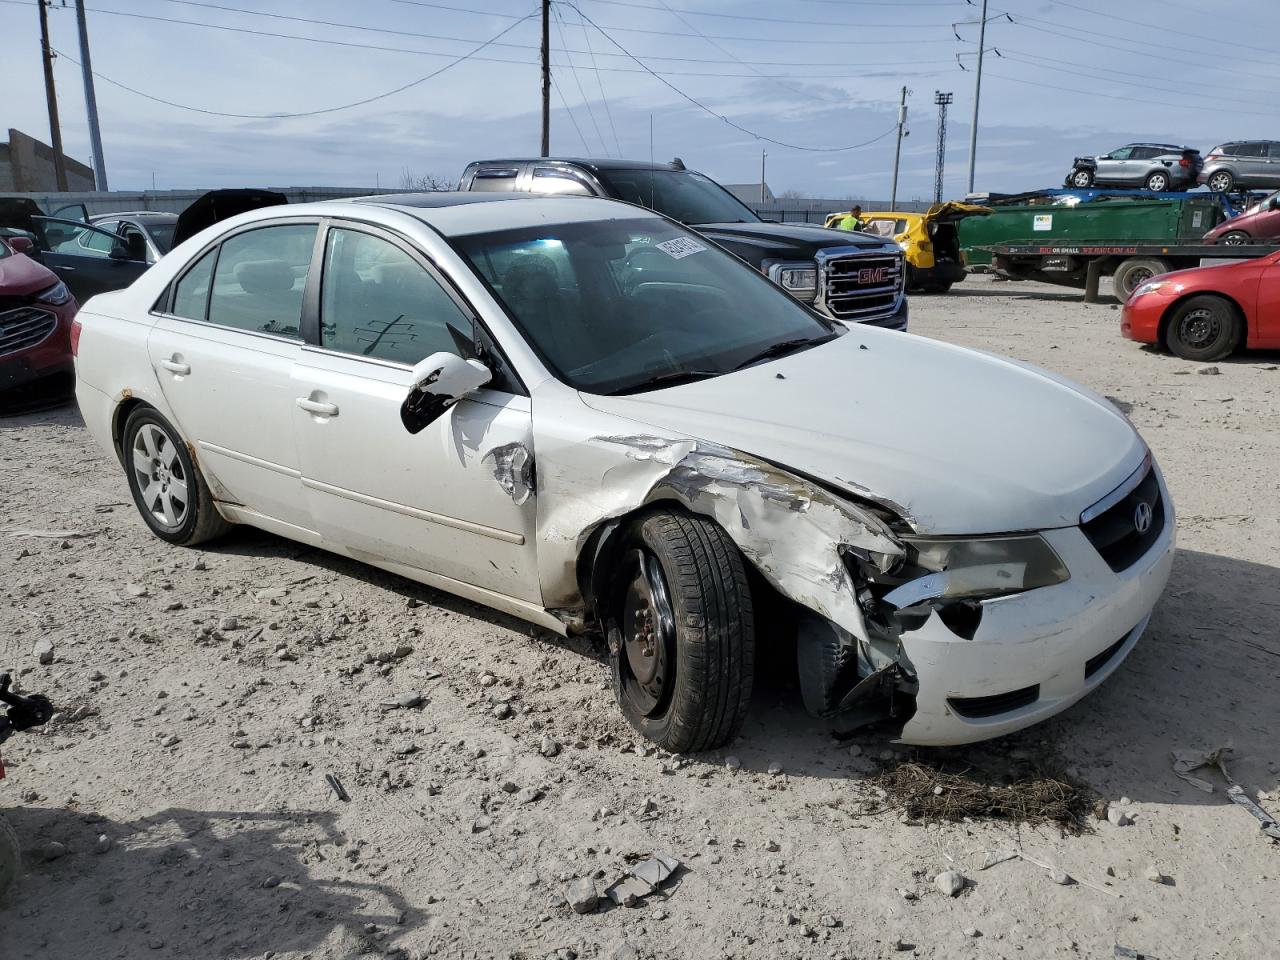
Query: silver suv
[
  {"x": 1253, "y": 164},
  {"x": 1153, "y": 166}
]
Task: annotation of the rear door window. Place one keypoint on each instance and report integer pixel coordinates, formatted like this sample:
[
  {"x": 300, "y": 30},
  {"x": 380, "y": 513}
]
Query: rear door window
[
  {"x": 495, "y": 179},
  {"x": 1250, "y": 150},
  {"x": 260, "y": 277},
  {"x": 191, "y": 295},
  {"x": 559, "y": 183}
]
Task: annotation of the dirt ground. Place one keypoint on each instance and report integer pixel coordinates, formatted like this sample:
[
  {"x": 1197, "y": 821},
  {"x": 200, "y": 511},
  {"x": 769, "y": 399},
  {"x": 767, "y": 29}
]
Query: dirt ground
[{"x": 206, "y": 693}]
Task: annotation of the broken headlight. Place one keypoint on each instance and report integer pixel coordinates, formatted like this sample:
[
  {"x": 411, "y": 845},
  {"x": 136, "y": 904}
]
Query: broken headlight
[{"x": 976, "y": 568}]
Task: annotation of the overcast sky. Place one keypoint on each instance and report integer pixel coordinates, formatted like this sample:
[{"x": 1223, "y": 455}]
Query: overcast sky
[{"x": 1073, "y": 79}]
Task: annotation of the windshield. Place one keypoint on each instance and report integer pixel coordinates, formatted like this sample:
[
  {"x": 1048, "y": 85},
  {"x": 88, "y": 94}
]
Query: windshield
[
  {"x": 162, "y": 235},
  {"x": 680, "y": 194},
  {"x": 621, "y": 306}
]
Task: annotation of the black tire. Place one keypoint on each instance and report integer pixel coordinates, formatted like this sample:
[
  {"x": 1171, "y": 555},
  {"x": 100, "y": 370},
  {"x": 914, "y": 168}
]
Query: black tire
[
  {"x": 1233, "y": 238},
  {"x": 1081, "y": 179},
  {"x": 1221, "y": 181},
  {"x": 1134, "y": 272},
  {"x": 1204, "y": 328},
  {"x": 691, "y": 691},
  {"x": 10, "y": 859},
  {"x": 1158, "y": 181},
  {"x": 180, "y": 494}
]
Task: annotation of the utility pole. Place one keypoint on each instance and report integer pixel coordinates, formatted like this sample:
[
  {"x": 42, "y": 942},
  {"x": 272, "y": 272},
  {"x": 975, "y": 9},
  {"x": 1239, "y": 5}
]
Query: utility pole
[
  {"x": 51, "y": 96},
  {"x": 762, "y": 156},
  {"x": 942, "y": 100},
  {"x": 91, "y": 101},
  {"x": 546, "y": 78},
  {"x": 977, "y": 94},
  {"x": 897, "y": 153}
]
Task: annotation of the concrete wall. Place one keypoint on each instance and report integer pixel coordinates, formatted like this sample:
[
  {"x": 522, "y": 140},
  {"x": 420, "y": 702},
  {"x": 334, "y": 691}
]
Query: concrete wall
[{"x": 27, "y": 165}]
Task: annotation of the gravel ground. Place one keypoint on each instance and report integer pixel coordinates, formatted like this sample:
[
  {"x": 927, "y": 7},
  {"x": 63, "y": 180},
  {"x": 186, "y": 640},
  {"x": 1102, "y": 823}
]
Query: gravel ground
[{"x": 178, "y": 806}]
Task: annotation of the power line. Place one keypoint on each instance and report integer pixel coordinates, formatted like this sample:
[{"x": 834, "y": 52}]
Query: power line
[
  {"x": 308, "y": 113},
  {"x": 725, "y": 50},
  {"x": 555, "y": 10},
  {"x": 432, "y": 53},
  {"x": 702, "y": 106},
  {"x": 790, "y": 21},
  {"x": 1112, "y": 96},
  {"x": 572, "y": 119},
  {"x": 586, "y": 37},
  {"x": 1203, "y": 36}
]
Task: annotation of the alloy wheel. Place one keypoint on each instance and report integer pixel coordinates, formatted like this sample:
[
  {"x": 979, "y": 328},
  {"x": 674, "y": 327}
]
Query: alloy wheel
[
  {"x": 162, "y": 481},
  {"x": 1220, "y": 182},
  {"x": 648, "y": 634},
  {"x": 1157, "y": 182}
]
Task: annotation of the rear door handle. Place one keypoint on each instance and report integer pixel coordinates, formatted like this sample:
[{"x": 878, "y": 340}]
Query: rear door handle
[
  {"x": 318, "y": 408},
  {"x": 65, "y": 268},
  {"x": 176, "y": 366}
]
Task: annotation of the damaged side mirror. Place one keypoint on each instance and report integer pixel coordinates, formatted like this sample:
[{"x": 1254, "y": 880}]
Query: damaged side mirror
[{"x": 440, "y": 381}]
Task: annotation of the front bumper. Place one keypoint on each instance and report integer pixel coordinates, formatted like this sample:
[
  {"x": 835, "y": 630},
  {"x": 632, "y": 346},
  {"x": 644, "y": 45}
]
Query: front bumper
[
  {"x": 1140, "y": 317},
  {"x": 1037, "y": 653}
]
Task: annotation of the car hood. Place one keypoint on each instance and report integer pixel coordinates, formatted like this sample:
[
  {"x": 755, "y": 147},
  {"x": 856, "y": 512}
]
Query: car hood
[
  {"x": 953, "y": 440},
  {"x": 787, "y": 240},
  {"x": 21, "y": 276}
]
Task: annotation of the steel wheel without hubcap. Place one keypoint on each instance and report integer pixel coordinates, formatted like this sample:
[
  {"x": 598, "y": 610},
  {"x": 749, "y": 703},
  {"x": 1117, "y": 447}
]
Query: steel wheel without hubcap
[
  {"x": 648, "y": 635},
  {"x": 1199, "y": 328},
  {"x": 162, "y": 481}
]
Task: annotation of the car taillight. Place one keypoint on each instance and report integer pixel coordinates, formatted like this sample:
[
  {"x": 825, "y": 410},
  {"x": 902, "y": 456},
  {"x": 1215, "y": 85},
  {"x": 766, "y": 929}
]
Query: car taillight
[
  {"x": 75, "y": 338},
  {"x": 1214, "y": 156},
  {"x": 1184, "y": 162}
]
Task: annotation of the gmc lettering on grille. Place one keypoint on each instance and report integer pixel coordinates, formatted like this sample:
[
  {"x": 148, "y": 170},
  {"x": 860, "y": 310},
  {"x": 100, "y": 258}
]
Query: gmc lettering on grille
[{"x": 868, "y": 275}]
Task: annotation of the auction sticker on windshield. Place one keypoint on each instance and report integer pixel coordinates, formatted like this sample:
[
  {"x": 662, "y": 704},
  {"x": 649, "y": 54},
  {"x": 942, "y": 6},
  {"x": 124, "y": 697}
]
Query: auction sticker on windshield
[{"x": 680, "y": 247}]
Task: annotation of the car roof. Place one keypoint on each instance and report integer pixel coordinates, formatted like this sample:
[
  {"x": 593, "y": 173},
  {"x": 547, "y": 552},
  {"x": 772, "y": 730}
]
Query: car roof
[
  {"x": 1162, "y": 146},
  {"x": 143, "y": 216},
  {"x": 458, "y": 214},
  {"x": 590, "y": 163}
]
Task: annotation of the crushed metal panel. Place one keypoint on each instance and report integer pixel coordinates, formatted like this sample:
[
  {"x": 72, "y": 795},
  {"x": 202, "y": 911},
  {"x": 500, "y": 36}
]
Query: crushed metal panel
[{"x": 513, "y": 467}]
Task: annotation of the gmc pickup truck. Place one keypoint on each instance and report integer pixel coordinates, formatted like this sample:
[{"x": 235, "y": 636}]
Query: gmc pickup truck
[{"x": 852, "y": 277}]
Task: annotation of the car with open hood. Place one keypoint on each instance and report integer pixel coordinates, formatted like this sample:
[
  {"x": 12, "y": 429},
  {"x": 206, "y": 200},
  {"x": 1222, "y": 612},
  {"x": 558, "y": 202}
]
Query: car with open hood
[
  {"x": 584, "y": 414},
  {"x": 93, "y": 255},
  {"x": 851, "y": 277},
  {"x": 929, "y": 240}
]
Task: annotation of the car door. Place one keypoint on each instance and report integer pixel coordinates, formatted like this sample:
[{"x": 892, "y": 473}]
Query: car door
[
  {"x": 1251, "y": 162},
  {"x": 1113, "y": 168},
  {"x": 223, "y": 349},
  {"x": 1266, "y": 319},
  {"x": 89, "y": 259},
  {"x": 1272, "y": 175},
  {"x": 455, "y": 499}
]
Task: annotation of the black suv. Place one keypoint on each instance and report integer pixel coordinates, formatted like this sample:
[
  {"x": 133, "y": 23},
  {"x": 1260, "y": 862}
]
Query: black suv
[{"x": 853, "y": 277}]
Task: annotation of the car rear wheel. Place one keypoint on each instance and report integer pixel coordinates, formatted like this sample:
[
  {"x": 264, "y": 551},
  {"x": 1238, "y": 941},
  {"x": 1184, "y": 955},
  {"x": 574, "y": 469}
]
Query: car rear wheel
[
  {"x": 1082, "y": 179},
  {"x": 681, "y": 632},
  {"x": 1132, "y": 273},
  {"x": 1222, "y": 181},
  {"x": 1204, "y": 328},
  {"x": 1234, "y": 238},
  {"x": 167, "y": 487},
  {"x": 1158, "y": 181}
]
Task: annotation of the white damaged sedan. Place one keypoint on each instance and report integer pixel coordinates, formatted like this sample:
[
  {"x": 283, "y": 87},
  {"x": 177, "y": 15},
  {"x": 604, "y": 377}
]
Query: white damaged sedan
[{"x": 581, "y": 413}]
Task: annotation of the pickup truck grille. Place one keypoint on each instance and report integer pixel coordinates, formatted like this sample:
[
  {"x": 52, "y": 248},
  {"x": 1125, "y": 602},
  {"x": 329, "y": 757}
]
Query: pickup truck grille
[
  {"x": 859, "y": 287},
  {"x": 24, "y": 328}
]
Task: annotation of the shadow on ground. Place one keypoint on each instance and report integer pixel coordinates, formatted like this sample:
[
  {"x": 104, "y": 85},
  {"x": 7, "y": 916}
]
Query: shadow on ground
[{"x": 194, "y": 885}]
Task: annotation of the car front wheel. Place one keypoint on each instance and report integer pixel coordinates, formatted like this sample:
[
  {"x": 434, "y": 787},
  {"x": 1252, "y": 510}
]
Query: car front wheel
[
  {"x": 1082, "y": 179},
  {"x": 1204, "y": 328},
  {"x": 167, "y": 487},
  {"x": 681, "y": 632},
  {"x": 1235, "y": 238}
]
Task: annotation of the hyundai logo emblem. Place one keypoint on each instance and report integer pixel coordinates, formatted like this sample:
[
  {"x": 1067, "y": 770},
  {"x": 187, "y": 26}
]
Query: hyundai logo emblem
[{"x": 1142, "y": 517}]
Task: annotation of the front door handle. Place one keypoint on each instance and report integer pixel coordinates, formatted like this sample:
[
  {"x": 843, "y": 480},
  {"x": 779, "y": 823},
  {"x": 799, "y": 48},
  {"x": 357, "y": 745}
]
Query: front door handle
[
  {"x": 317, "y": 407},
  {"x": 174, "y": 365},
  {"x": 64, "y": 267}
]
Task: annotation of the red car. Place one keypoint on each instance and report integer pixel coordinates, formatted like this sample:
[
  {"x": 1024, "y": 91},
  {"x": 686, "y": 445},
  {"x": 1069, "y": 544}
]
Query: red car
[
  {"x": 36, "y": 310},
  {"x": 1207, "y": 313},
  {"x": 1259, "y": 222}
]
